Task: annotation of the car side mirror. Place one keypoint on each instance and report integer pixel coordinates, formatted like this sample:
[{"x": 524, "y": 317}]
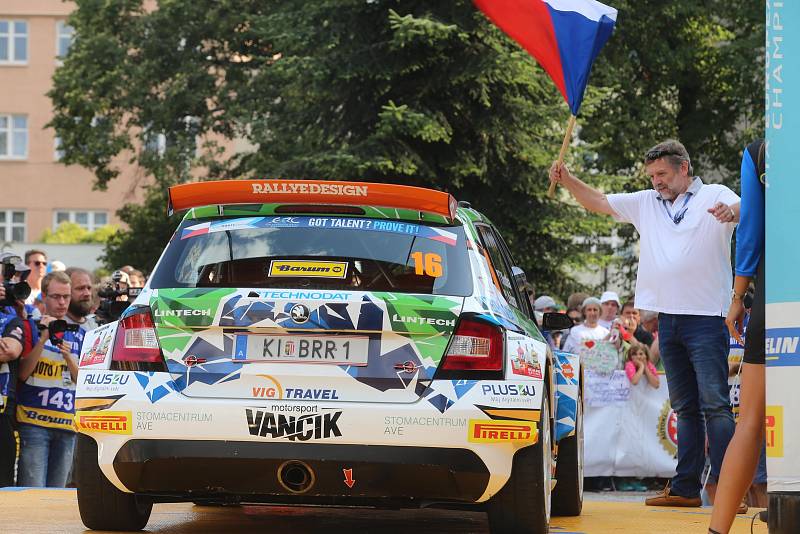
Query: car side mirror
[
  {"x": 520, "y": 280},
  {"x": 556, "y": 321}
]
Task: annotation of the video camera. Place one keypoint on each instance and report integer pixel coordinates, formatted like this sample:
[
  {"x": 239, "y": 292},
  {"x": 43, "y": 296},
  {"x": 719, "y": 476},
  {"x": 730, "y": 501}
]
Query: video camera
[
  {"x": 111, "y": 304},
  {"x": 56, "y": 330},
  {"x": 12, "y": 265}
]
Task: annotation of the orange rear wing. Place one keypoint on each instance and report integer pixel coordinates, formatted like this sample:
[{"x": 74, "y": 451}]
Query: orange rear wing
[{"x": 223, "y": 192}]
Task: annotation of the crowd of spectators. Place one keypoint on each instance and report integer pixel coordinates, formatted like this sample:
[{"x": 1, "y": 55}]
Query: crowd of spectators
[
  {"x": 41, "y": 335},
  {"x": 603, "y": 318},
  {"x": 635, "y": 332}
]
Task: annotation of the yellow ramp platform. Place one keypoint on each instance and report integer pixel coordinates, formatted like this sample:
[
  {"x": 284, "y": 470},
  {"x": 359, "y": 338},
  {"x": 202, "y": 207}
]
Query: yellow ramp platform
[{"x": 46, "y": 511}]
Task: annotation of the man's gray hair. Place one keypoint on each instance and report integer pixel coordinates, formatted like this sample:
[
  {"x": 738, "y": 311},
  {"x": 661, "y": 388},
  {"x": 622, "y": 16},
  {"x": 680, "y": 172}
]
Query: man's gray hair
[
  {"x": 648, "y": 315},
  {"x": 674, "y": 152}
]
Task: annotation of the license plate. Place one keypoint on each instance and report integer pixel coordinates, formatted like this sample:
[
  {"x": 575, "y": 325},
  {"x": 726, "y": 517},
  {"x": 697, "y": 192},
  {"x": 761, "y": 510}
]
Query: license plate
[{"x": 337, "y": 350}]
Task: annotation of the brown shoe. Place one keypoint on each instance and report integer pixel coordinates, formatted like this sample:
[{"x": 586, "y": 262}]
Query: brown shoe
[
  {"x": 666, "y": 499},
  {"x": 742, "y": 508}
]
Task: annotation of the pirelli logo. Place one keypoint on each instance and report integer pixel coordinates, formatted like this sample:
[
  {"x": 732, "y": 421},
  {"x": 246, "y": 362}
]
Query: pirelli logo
[
  {"x": 318, "y": 269},
  {"x": 499, "y": 431},
  {"x": 105, "y": 422}
]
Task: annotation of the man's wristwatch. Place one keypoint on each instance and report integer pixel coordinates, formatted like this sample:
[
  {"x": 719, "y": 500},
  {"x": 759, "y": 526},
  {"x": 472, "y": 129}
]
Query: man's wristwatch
[{"x": 737, "y": 296}]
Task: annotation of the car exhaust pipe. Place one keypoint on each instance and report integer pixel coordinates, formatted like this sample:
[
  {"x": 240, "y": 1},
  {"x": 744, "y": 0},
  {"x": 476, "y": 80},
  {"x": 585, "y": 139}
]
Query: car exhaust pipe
[{"x": 296, "y": 476}]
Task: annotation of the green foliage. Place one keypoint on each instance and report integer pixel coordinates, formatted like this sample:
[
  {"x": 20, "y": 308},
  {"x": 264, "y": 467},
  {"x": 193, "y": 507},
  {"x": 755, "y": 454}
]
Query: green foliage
[
  {"x": 683, "y": 69},
  {"x": 413, "y": 92},
  {"x": 149, "y": 231},
  {"x": 69, "y": 233}
]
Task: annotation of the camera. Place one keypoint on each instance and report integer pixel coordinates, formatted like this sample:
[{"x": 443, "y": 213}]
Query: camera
[
  {"x": 56, "y": 330},
  {"x": 114, "y": 298},
  {"x": 12, "y": 265}
]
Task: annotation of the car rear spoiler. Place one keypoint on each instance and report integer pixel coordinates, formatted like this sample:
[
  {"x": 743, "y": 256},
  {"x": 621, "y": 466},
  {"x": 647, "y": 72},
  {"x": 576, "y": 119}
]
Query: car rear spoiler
[{"x": 223, "y": 192}]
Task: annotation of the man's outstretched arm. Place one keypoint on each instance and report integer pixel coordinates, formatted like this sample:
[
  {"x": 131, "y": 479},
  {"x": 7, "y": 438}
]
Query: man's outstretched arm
[{"x": 588, "y": 197}]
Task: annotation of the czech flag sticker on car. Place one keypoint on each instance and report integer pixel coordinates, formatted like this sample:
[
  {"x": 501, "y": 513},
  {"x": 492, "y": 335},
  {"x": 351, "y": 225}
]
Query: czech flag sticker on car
[{"x": 317, "y": 269}]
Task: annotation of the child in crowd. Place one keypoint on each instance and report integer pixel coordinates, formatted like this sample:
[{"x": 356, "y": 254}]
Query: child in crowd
[{"x": 638, "y": 364}]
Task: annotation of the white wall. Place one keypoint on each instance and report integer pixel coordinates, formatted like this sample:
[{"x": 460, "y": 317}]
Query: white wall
[{"x": 85, "y": 256}]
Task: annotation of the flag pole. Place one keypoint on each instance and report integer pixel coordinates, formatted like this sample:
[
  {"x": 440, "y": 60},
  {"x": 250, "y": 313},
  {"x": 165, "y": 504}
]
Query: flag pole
[{"x": 567, "y": 138}]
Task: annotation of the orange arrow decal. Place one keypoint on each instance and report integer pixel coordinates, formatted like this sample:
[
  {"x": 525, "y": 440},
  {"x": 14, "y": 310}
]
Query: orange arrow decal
[{"x": 348, "y": 477}]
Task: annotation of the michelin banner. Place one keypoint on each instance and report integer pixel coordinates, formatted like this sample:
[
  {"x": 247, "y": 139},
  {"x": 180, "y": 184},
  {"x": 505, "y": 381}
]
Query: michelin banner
[{"x": 783, "y": 254}]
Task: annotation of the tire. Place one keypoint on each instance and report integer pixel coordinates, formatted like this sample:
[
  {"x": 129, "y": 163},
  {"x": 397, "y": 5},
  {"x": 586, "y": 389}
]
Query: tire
[
  {"x": 523, "y": 505},
  {"x": 101, "y": 504},
  {"x": 568, "y": 493}
]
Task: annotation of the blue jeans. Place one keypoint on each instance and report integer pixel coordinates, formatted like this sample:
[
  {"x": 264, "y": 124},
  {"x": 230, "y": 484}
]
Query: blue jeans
[
  {"x": 45, "y": 456},
  {"x": 694, "y": 349}
]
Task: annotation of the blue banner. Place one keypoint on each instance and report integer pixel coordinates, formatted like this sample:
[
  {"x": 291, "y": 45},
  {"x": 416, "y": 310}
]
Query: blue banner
[{"x": 783, "y": 166}]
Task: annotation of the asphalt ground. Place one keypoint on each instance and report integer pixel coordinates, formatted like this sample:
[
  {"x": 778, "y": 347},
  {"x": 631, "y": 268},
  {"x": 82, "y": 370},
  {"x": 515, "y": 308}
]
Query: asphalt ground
[{"x": 27, "y": 510}]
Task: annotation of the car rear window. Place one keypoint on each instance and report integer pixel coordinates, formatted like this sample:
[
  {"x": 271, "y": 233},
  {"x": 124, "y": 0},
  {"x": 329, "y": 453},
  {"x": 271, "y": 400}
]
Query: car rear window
[{"x": 319, "y": 252}]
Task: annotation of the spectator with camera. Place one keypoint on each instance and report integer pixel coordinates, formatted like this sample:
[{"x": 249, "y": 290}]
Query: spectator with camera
[
  {"x": 12, "y": 340},
  {"x": 135, "y": 277},
  {"x": 81, "y": 299},
  {"x": 46, "y": 397},
  {"x": 631, "y": 318},
  {"x": 36, "y": 260}
]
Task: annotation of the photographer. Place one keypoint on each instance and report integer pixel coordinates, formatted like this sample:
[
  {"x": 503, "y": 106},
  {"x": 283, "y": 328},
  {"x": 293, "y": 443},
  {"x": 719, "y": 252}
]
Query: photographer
[
  {"x": 12, "y": 339},
  {"x": 47, "y": 391},
  {"x": 115, "y": 296}
]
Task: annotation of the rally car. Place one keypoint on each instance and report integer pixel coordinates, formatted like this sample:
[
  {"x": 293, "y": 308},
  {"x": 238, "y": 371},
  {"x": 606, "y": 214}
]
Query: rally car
[{"x": 329, "y": 343}]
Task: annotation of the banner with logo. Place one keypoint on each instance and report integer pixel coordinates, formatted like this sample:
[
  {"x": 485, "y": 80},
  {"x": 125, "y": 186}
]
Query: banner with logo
[
  {"x": 634, "y": 437},
  {"x": 632, "y": 430},
  {"x": 782, "y": 252}
]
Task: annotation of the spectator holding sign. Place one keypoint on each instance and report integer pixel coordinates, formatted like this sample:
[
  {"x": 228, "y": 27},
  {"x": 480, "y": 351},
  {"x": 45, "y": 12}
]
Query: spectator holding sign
[{"x": 589, "y": 330}]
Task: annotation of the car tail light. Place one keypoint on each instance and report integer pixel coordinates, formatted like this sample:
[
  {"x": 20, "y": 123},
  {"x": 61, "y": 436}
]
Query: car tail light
[
  {"x": 476, "y": 346},
  {"x": 136, "y": 346}
]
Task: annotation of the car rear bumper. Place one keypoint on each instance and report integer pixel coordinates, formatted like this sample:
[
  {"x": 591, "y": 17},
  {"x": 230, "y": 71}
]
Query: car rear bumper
[{"x": 193, "y": 469}]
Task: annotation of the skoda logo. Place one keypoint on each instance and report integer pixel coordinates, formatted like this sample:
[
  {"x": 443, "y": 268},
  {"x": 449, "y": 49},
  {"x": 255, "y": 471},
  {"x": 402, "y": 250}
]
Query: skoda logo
[{"x": 299, "y": 313}]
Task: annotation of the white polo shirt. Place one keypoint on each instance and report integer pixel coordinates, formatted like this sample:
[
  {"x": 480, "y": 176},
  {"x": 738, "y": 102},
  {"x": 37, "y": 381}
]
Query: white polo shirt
[{"x": 684, "y": 268}]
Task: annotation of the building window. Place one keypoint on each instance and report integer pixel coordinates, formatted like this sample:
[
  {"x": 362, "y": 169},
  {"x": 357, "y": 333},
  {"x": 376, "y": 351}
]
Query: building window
[
  {"x": 12, "y": 226},
  {"x": 64, "y": 37},
  {"x": 58, "y": 153},
  {"x": 90, "y": 220},
  {"x": 13, "y": 42},
  {"x": 13, "y": 136},
  {"x": 155, "y": 143}
]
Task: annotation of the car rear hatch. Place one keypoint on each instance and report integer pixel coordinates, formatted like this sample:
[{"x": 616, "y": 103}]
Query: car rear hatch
[{"x": 308, "y": 308}]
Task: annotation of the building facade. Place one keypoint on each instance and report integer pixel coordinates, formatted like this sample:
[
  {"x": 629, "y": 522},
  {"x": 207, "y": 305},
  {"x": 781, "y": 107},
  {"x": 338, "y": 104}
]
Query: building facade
[{"x": 37, "y": 192}]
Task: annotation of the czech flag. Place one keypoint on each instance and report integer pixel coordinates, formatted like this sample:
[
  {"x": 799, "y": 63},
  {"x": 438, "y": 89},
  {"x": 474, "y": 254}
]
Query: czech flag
[{"x": 564, "y": 36}]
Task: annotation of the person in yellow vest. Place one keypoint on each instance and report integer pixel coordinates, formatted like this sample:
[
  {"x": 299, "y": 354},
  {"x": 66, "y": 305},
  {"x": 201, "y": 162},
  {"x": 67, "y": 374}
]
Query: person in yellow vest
[{"x": 46, "y": 396}]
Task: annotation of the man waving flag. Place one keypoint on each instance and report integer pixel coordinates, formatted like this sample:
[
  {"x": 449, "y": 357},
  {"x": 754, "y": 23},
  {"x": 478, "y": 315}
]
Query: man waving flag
[{"x": 564, "y": 36}]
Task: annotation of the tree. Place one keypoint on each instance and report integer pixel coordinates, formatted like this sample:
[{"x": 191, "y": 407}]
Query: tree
[
  {"x": 71, "y": 233},
  {"x": 149, "y": 230},
  {"x": 390, "y": 91},
  {"x": 684, "y": 69},
  {"x": 422, "y": 93}
]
